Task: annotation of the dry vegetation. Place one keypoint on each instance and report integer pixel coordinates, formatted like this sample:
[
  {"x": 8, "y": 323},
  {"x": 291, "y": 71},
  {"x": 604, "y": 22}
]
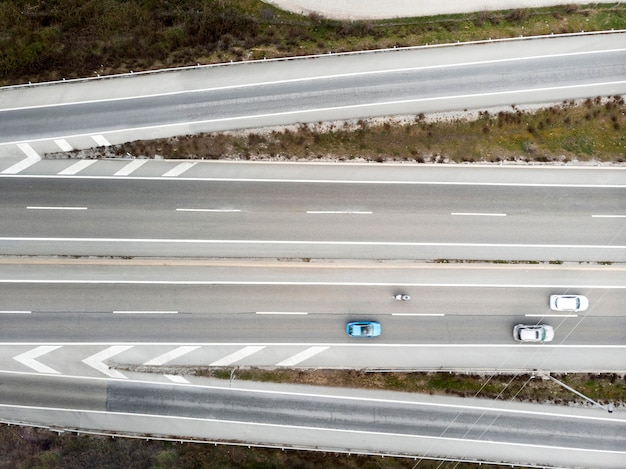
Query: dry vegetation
[
  {"x": 50, "y": 40},
  {"x": 24, "y": 447},
  {"x": 593, "y": 130}
]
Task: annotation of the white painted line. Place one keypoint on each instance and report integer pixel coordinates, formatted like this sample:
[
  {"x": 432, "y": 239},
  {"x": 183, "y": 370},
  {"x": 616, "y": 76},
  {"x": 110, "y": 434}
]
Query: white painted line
[
  {"x": 33, "y": 207},
  {"x": 282, "y": 312},
  {"x": 179, "y": 169},
  {"x": 28, "y": 151},
  {"x": 130, "y": 167},
  {"x": 239, "y": 355},
  {"x": 101, "y": 140},
  {"x": 608, "y": 216},
  {"x": 322, "y": 77},
  {"x": 220, "y": 210},
  {"x": 419, "y": 314},
  {"x": 97, "y": 361},
  {"x": 21, "y": 166},
  {"x": 145, "y": 312},
  {"x": 177, "y": 379},
  {"x": 300, "y": 357},
  {"x": 15, "y": 312},
  {"x": 76, "y": 167},
  {"x": 32, "y": 157},
  {"x": 63, "y": 145},
  {"x": 29, "y": 358},
  {"x": 171, "y": 355},
  {"x": 551, "y": 315},
  {"x": 476, "y": 214},
  {"x": 338, "y": 212}
]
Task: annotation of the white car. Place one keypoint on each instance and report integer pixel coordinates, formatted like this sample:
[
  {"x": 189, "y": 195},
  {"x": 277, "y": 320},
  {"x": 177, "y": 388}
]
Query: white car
[
  {"x": 568, "y": 302},
  {"x": 533, "y": 333}
]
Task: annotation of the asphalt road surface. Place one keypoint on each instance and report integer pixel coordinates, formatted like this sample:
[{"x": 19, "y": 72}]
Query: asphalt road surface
[
  {"x": 275, "y": 93},
  {"x": 367, "y": 219}
]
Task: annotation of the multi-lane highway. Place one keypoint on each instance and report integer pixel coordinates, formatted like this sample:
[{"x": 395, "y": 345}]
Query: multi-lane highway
[
  {"x": 112, "y": 265},
  {"x": 345, "y": 212}
]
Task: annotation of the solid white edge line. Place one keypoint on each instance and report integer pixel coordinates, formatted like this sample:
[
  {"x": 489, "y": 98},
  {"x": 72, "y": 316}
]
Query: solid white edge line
[
  {"x": 32, "y": 207},
  {"x": 608, "y": 216},
  {"x": 5, "y": 174},
  {"x": 15, "y": 312},
  {"x": 309, "y": 344},
  {"x": 476, "y": 214},
  {"x": 309, "y": 243},
  {"x": 283, "y": 312},
  {"x": 269, "y": 283},
  {"x": 145, "y": 312}
]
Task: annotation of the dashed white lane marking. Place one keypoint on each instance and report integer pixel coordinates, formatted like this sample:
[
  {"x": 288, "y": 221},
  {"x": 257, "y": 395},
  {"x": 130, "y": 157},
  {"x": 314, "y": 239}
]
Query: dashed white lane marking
[
  {"x": 219, "y": 210},
  {"x": 338, "y": 212},
  {"x": 179, "y": 169},
  {"x": 101, "y": 141},
  {"x": 41, "y": 207},
  {"x": 478, "y": 214},
  {"x": 63, "y": 145},
  {"x": 300, "y": 357},
  {"x": 171, "y": 355},
  {"x": 551, "y": 315},
  {"x": 97, "y": 361},
  {"x": 130, "y": 167},
  {"x": 177, "y": 379},
  {"x": 239, "y": 355},
  {"x": 283, "y": 312},
  {"x": 15, "y": 312},
  {"x": 145, "y": 312},
  {"x": 29, "y": 358},
  {"x": 608, "y": 216},
  {"x": 419, "y": 314},
  {"x": 76, "y": 167}
]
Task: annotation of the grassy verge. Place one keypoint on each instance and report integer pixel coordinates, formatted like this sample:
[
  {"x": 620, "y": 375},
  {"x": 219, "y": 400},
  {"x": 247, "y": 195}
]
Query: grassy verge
[
  {"x": 42, "y": 41},
  {"x": 603, "y": 388},
  {"x": 591, "y": 130}
]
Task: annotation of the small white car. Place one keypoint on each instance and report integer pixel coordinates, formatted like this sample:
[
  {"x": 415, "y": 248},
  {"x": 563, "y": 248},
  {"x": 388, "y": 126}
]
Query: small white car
[
  {"x": 568, "y": 302},
  {"x": 533, "y": 333}
]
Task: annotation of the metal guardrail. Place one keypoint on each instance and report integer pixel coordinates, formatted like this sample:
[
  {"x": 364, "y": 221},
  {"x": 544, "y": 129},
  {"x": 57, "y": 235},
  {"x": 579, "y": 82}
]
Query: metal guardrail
[
  {"x": 301, "y": 57},
  {"x": 258, "y": 445}
]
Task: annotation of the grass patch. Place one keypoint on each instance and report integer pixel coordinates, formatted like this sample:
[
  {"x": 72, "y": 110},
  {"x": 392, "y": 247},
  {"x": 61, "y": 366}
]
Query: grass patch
[
  {"x": 591, "y": 130},
  {"x": 603, "y": 388},
  {"x": 80, "y": 38}
]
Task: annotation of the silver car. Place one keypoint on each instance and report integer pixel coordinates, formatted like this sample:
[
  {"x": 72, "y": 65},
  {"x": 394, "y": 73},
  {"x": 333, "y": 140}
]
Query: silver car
[
  {"x": 568, "y": 302},
  {"x": 533, "y": 333}
]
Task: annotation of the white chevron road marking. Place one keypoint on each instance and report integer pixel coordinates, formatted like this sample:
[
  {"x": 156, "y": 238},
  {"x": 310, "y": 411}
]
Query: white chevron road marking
[
  {"x": 97, "y": 361},
  {"x": 29, "y": 358},
  {"x": 300, "y": 357},
  {"x": 171, "y": 355},
  {"x": 238, "y": 355}
]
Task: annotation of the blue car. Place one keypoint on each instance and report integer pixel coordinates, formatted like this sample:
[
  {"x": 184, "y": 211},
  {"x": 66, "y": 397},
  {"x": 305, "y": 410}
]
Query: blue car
[{"x": 364, "y": 329}]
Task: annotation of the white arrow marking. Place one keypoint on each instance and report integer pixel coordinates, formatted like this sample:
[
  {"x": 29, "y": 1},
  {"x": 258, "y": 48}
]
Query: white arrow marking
[
  {"x": 97, "y": 361},
  {"x": 28, "y": 358}
]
